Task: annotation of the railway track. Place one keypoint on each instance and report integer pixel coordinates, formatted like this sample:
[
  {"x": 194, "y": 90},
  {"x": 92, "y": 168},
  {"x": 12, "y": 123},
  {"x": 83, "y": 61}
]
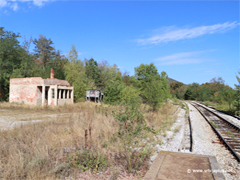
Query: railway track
[
  {"x": 187, "y": 141},
  {"x": 228, "y": 133}
]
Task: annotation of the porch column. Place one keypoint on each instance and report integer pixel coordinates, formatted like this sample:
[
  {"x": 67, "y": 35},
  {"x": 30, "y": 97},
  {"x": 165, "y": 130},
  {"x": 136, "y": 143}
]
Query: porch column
[
  {"x": 59, "y": 94},
  {"x": 55, "y": 98},
  {"x": 64, "y": 94},
  {"x": 68, "y": 94},
  {"x": 43, "y": 95},
  {"x": 72, "y": 95}
]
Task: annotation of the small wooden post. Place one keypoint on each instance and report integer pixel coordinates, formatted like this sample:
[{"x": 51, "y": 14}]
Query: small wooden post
[
  {"x": 90, "y": 137},
  {"x": 86, "y": 138}
]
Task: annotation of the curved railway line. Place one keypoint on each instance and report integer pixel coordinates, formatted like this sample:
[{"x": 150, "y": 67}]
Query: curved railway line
[{"x": 228, "y": 133}]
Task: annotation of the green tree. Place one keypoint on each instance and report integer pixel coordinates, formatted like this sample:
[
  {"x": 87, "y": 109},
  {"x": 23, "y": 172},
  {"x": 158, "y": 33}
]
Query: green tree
[
  {"x": 72, "y": 54},
  {"x": 237, "y": 95},
  {"x": 153, "y": 93},
  {"x": 192, "y": 92},
  {"x": 130, "y": 95},
  {"x": 126, "y": 78},
  {"x": 93, "y": 72},
  {"x": 11, "y": 56},
  {"x": 44, "y": 51},
  {"x": 164, "y": 85},
  {"x": 145, "y": 71},
  {"x": 75, "y": 74},
  {"x": 113, "y": 90},
  {"x": 174, "y": 86},
  {"x": 229, "y": 96},
  {"x": 154, "y": 87},
  {"x": 181, "y": 91},
  {"x": 108, "y": 73}
]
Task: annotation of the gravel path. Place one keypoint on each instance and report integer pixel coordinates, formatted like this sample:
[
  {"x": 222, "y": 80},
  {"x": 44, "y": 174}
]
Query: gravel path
[{"x": 172, "y": 141}]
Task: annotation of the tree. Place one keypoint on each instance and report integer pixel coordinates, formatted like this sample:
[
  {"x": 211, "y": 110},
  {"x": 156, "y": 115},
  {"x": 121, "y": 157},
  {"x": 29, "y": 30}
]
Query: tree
[
  {"x": 26, "y": 44},
  {"x": 229, "y": 97},
  {"x": 72, "y": 54},
  {"x": 154, "y": 87},
  {"x": 164, "y": 85},
  {"x": 11, "y": 56},
  {"x": 181, "y": 91},
  {"x": 192, "y": 92},
  {"x": 126, "y": 78},
  {"x": 237, "y": 95},
  {"x": 44, "y": 51},
  {"x": 145, "y": 71},
  {"x": 130, "y": 95},
  {"x": 75, "y": 74},
  {"x": 108, "y": 73},
  {"x": 113, "y": 90},
  {"x": 174, "y": 86},
  {"x": 93, "y": 72},
  {"x": 153, "y": 93}
]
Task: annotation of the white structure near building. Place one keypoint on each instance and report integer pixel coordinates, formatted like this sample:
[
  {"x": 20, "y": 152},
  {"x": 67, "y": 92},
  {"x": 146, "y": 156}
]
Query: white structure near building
[{"x": 94, "y": 95}]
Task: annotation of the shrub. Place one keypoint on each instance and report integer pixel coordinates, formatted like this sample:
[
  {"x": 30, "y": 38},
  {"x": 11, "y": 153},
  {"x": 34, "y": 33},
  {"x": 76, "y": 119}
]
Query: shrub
[
  {"x": 132, "y": 125},
  {"x": 88, "y": 160},
  {"x": 129, "y": 93}
]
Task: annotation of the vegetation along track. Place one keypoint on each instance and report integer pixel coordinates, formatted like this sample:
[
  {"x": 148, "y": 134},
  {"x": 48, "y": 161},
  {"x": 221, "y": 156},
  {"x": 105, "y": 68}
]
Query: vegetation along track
[
  {"x": 228, "y": 133},
  {"x": 187, "y": 141},
  {"x": 235, "y": 116}
]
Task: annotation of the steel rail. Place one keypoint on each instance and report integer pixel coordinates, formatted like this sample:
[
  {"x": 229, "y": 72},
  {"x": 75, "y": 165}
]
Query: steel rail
[
  {"x": 219, "y": 135},
  {"x": 231, "y": 124}
]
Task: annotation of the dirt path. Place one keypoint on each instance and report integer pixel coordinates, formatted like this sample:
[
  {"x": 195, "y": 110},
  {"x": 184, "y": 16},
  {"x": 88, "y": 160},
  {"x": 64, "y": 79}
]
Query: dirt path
[{"x": 10, "y": 118}]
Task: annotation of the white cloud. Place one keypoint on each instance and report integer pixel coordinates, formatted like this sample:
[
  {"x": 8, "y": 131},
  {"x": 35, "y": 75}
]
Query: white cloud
[
  {"x": 14, "y": 6},
  {"x": 182, "y": 58},
  {"x": 168, "y": 34},
  {"x": 39, "y": 2},
  {"x": 3, "y": 3}
]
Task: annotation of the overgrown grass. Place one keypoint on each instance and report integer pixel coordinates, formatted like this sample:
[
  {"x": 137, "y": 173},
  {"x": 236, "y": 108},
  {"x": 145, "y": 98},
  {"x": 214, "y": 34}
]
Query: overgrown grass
[
  {"x": 224, "y": 107},
  {"x": 214, "y": 125},
  {"x": 55, "y": 147}
]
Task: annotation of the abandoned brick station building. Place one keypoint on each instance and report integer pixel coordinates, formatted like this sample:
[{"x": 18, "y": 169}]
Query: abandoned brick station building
[{"x": 36, "y": 90}]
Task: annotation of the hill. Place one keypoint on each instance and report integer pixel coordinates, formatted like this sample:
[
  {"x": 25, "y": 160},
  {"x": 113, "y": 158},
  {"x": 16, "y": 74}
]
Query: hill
[{"x": 170, "y": 80}]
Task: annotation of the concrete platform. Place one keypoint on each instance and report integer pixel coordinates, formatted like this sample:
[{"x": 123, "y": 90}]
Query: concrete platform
[{"x": 184, "y": 166}]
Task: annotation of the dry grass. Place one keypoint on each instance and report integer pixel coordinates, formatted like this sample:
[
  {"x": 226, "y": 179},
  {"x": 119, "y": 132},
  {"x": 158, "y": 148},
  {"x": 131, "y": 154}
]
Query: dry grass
[{"x": 41, "y": 150}]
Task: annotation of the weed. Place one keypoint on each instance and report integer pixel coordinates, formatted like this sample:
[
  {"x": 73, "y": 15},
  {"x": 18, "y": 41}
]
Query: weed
[
  {"x": 88, "y": 160},
  {"x": 176, "y": 129},
  {"x": 230, "y": 133},
  {"x": 214, "y": 125}
]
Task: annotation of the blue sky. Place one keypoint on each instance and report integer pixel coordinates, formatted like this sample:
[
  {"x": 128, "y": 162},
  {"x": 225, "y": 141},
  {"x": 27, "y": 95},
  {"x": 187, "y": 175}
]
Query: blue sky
[{"x": 192, "y": 41}]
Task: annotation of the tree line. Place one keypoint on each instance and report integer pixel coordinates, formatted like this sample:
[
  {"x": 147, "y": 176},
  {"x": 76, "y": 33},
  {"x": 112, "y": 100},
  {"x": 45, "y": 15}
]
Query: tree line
[
  {"x": 147, "y": 85},
  {"x": 214, "y": 91}
]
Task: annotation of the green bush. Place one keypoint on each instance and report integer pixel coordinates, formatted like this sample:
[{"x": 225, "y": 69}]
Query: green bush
[
  {"x": 132, "y": 126},
  {"x": 129, "y": 93},
  {"x": 88, "y": 160}
]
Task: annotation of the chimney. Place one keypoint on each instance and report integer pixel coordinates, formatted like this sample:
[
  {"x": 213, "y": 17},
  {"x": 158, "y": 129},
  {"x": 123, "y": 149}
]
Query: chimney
[{"x": 52, "y": 73}]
